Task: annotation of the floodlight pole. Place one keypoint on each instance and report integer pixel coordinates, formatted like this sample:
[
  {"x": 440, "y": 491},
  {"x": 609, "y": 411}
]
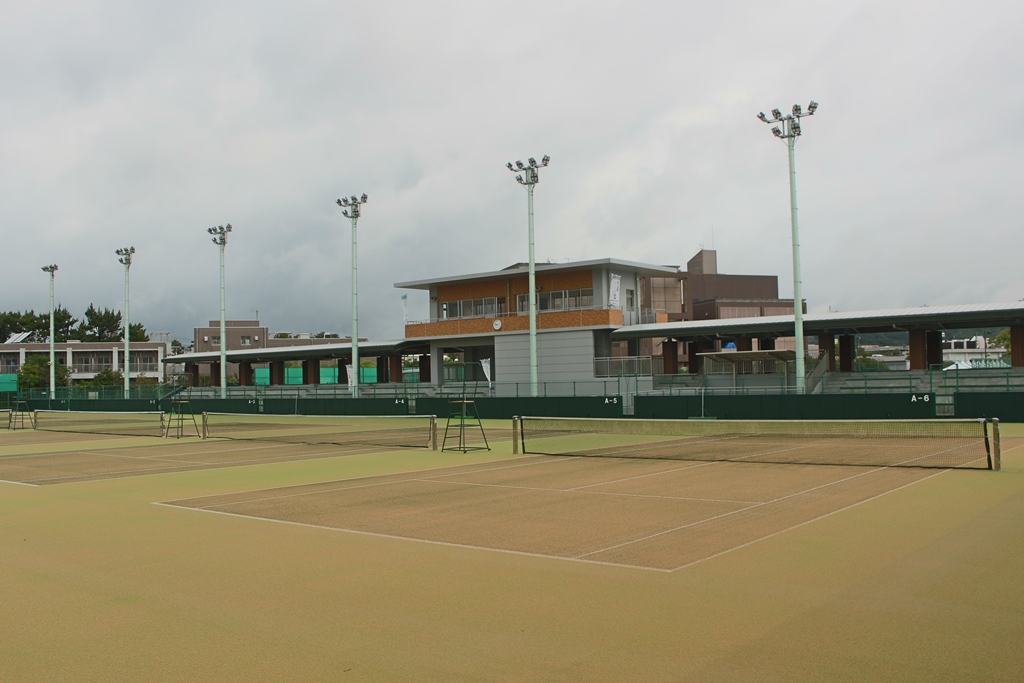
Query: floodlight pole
[
  {"x": 220, "y": 238},
  {"x": 53, "y": 354},
  {"x": 126, "y": 261},
  {"x": 352, "y": 211},
  {"x": 532, "y": 177},
  {"x": 790, "y": 131}
]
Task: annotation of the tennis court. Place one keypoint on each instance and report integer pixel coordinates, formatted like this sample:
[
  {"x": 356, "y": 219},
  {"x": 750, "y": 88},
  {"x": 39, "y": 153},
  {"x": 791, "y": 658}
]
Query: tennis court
[
  {"x": 636, "y": 513},
  {"x": 71, "y": 447}
]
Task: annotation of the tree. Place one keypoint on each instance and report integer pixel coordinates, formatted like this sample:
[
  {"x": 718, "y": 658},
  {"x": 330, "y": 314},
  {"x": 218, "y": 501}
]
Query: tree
[
  {"x": 1001, "y": 340},
  {"x": 35, "y": 373},
  {"x": 107, "y": 378},
  {"x": 99, "y": 325},
  {"x": 283, "y": 335},
  {"x": 12, "y": 322},
  {"x": 139, "y": 333},
  {"x": 326, "y": 335},
  {"x": 177, "y": 347}
]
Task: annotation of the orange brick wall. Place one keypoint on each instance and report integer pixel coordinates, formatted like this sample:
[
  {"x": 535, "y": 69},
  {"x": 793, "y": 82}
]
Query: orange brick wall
[{"x": 515, "y": 284}]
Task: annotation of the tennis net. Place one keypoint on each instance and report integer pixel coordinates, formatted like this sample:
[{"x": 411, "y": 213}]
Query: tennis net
[
  {"x": 876, "y": 443},
  {"x": 393, "y": 431},
  {"x": 144, "y": 423}
]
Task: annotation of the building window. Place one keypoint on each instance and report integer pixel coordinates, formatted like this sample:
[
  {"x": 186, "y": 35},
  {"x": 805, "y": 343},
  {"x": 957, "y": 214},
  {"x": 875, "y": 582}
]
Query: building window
[
  {"x": 215, "y": 340},
  {"x": 246, "y": 341},
  {"x": 560, "y": 300},
  {"x": 630, "y": 296}
]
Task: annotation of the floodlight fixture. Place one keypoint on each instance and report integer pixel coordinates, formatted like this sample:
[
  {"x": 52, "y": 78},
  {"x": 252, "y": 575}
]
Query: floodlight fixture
[
  {"x": 529, "y": 178},
  {"x": 790, "y": 131},
  {"x": 220, "y": 234},
  {"x": 352, "y": 212},
  {"x": 50, "y": 269},
  {"x": 511, "y": 167},
  {"x": 125, "y": 259},
  {"x": 126, "y": 255},
  {"x": 762, "y": 117}
]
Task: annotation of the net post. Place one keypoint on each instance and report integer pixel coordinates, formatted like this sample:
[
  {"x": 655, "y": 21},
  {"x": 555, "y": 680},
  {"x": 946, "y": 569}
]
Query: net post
[
  {"x": 206, "y": 425},
  {"x": 433, "y": 432},
  {"x": 165, "y": 424},
  {"x": 35, "y": 419},
  {"x": 515, "y": 435},
  {"x": 996, "y": 457}
]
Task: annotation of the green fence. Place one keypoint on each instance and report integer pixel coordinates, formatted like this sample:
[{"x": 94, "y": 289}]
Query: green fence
[
  {"x": 298, "y": 406},
  {"x": 1007, "y": 407},
  {"x": 540, "y": 406},
  {"x": 87, "y": 404},
  {"x": 788, "y": 407}
]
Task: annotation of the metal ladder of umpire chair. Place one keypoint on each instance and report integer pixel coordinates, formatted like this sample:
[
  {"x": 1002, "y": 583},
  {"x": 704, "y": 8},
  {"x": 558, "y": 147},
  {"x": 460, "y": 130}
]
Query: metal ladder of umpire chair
[
  {"x": 181, "y": 412},
  {"x": 18, "y": 413},
  {"x": 462, "y": 415}
]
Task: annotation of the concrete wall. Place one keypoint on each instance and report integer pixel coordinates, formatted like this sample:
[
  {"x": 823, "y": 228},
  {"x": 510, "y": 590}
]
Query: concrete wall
[{"x": 561, "y": 356}]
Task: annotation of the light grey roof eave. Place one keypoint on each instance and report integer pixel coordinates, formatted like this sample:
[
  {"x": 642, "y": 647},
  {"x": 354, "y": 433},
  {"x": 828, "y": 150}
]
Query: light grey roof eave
[{"x": 646, "y": 268}]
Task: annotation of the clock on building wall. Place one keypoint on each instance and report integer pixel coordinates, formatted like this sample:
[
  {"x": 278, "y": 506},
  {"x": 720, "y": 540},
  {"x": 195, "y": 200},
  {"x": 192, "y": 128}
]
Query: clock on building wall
[{"x": 496, "y": 324}]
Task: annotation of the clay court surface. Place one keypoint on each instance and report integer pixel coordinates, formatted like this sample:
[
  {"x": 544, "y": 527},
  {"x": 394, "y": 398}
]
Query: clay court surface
[
  {"x": 42, "y": 458},
  {"x": 211, "y": 562},
  {"x": 635, "y": 513}
]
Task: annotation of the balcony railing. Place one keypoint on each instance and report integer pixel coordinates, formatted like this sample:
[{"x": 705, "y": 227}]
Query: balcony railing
[{"x": 615, "y": 366}]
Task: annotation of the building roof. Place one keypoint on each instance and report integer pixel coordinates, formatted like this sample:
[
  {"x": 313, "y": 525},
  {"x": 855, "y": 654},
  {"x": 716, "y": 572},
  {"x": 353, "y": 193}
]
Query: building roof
[
  {"x": 850, "y": 322},
  {"x": 642, "y": 268}
]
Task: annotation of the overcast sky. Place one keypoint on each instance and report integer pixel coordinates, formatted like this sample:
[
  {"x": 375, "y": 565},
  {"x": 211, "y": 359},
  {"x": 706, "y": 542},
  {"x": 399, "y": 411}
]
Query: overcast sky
[{"x": 127, "y": 123}]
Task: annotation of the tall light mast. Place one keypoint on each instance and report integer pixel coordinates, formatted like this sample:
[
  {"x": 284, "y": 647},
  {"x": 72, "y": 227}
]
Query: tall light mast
[
  {"x": 789, "y": 132},
  {"x": 528, "y": 177},
  {"x": 126, "y": 260},
  {"x": 220, "y": 238},
  {"x": 352, "y": 211}
]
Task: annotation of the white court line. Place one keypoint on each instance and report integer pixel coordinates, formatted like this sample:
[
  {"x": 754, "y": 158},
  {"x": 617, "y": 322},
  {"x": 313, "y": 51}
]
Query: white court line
[
  {"x": 19, "y": 483},
  {"x": 448, "y": 544},
  {"x": 436, "y": 479},
  {"x": 576, "y": 491},
  {"x": 809, "y": 521},
  {"x": 734, "y": 512},
  {"x": 191, "y": 466}
]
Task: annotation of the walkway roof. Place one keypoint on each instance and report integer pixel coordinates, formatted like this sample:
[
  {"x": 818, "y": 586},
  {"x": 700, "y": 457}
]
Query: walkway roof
[
  {"x": 851, "y": 322},
  {"x": 314, "y": 352}
]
